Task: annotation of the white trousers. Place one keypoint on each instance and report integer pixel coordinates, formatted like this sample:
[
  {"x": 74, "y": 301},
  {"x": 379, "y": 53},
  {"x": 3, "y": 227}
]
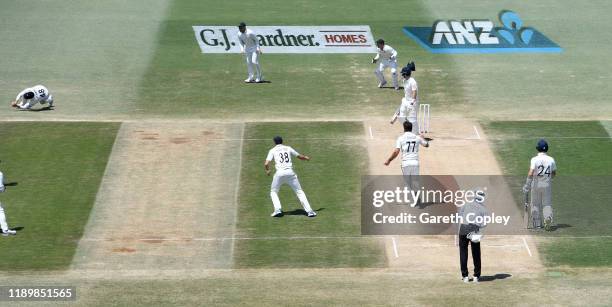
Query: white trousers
[
  {"x": 252, "y": 60},
  {"x": 290, "y": 178},
  {"x": 404, "y": 111},
  {"x": 3, "y": 224},
  {"x": 541, "y": 204},
  {"x": 382, "y": 64},
  {"x": 411, "y": 176}
]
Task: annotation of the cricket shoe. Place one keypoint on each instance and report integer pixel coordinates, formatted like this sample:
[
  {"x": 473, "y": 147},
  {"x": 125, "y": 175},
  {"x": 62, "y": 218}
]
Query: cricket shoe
[
  {"x": 312, "y": 214},
  {"x": 465, "y": 279},
  {"x": 382, "y": 84},
  {"x": 475, "y": 279},
  {"x": 9, "y": 232},
  {"x": 276, "y": 213},
  {"x": 248, "y": 80}
]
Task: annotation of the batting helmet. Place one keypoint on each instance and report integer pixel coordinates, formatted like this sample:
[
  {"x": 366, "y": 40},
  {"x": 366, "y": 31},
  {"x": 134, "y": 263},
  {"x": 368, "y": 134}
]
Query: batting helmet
[
  {"x": 408, "y": 69},
  {"x": 542, "y": 146},
  {"x": 411, "y": 65}
]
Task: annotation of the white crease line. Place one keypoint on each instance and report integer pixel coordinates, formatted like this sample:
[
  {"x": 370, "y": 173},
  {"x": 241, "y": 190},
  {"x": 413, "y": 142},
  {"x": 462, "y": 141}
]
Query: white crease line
[
  {"x": 237, "y": 195},
  {"x": 526, "y": 246},
  {"x": 229, "y": 238},
  {"x": 477, "y": 134},
  {"x": 371, "y": 134},
  {"x": 395, "y": 247}
]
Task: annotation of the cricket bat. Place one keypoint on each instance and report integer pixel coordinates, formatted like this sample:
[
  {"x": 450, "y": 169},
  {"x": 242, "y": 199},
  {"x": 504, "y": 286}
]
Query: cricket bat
[{"x": 527, "y": 215}]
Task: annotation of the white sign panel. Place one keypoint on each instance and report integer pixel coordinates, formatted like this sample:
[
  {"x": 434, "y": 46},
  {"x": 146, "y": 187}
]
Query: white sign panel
[{"x": 289, "y": 39}]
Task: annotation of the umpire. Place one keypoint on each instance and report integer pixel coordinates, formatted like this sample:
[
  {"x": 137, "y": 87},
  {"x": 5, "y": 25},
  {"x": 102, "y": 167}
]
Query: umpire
[{"x": 471, "y": 233}]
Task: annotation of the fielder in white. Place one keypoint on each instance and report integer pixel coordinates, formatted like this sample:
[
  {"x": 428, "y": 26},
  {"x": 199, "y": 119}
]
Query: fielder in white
[
  {"x": 249, "y": 46},
  {"x": 542, "y": 170},
  {"x": 386, "y": 56},
  {"x": 409, "y": 143},
  {"x": 281, "y": 155},
  {"x": 3, "y": 225},
  {"x": 407, "y": 110},
  {"x": 31, "y": 96}
]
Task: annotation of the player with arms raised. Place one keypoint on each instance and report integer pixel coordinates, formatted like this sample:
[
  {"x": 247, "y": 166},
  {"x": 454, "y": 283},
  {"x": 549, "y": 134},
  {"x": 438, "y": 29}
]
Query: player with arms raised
[
  {"x": 281, "y": 155},
  {"x": 542, "y": 170}
]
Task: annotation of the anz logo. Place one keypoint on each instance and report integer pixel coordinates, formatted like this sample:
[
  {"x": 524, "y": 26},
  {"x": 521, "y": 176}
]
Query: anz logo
[{"x": 481, "y": 36}]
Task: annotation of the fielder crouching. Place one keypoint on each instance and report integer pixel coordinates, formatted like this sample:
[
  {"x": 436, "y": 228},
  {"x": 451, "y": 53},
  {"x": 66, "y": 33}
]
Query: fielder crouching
[
  {"x": 470, "y": 233},
  {"x": 32, "y": 96}
]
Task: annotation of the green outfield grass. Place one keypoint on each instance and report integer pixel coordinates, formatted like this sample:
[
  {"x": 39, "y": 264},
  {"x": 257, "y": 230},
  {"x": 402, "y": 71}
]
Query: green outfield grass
[
  {"x": 571, "y": 85},
  {"x": 90, "y": 54},
  {"x": 581, "y": 192},
  {"x": 348, "y": 288},
  {"x": 140, "y": 58},
  {"x": 331, "y": 181},
  {"x": 54, "y": 170},
  {"x": 181, "y": 80}
]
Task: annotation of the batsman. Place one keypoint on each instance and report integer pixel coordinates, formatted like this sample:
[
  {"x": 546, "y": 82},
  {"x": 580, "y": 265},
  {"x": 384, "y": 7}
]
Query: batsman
[{"x": 538, "y": 189}]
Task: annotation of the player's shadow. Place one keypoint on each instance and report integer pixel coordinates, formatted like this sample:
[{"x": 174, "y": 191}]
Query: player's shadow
[
  {"x": 260, "y": 82},
  {"x": 11, "y": 184},
  {"x": 392, "y": 88},
  {"x": 47, "y": 108},
  {"x": 559, "y": 226},
  {"x": 497, "y": 276},
  {"x": 301, "y": 211},
  {"x": 18, "y": 228}
]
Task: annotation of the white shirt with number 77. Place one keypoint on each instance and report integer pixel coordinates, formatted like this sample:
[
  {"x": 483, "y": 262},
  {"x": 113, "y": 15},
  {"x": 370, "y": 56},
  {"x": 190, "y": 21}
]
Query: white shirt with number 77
[{"x": 408, "y": 143}]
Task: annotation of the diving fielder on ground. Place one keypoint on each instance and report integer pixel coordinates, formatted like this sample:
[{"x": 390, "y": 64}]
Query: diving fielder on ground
[
  {"x": 3, "y": 225},
  {"x": 249, "y": 46},
  {"x": 385, "y": 57},
  {"x": 539, "y": 182},
  {"x": 31, "y": 96},
  {"x": 281, "y": 155},
  {"x": 407, "y": 110},
  {"x": 409, "y": 143}
]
